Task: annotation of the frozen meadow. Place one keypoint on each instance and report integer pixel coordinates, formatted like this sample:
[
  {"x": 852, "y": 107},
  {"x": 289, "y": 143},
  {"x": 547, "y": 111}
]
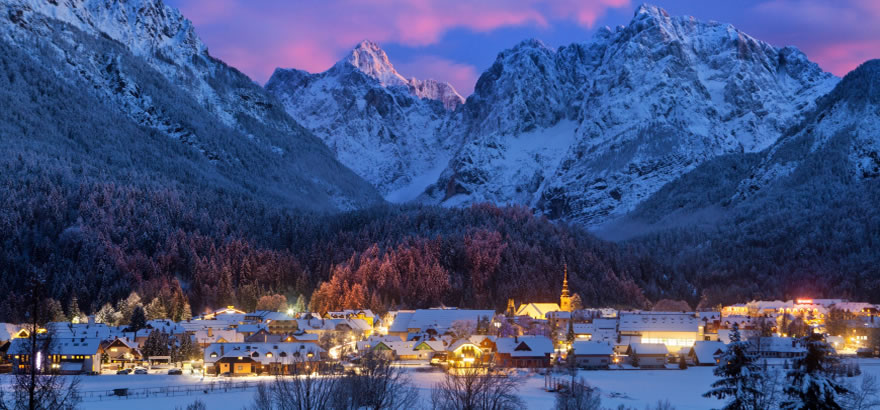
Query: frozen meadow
[{"x": 631, "y": 388}]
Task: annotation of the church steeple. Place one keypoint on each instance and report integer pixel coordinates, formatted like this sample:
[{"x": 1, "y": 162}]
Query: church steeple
[{"x": 565, "y": 299}]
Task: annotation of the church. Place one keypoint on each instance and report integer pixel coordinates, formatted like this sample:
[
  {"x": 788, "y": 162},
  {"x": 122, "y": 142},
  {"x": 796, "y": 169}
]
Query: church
[{"x": 540, "y": 310}]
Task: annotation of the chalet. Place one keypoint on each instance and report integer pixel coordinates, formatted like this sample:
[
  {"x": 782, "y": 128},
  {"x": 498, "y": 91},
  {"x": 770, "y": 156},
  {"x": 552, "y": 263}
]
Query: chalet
[
  {"x": 523, "y": 351},
  {"x": 465, "y": 353},
  {"x": 706, "y": 353},
  {"x": 262, "y": 358},
  {"x": 264, "y": 336},
  {"x": 408, "y": 350},
  {"x": 64, "y": 355},
  {"x": 286, "y": 326},
  {"x": 250, "y": 329},
  {"x": 120, "y": 351},
  {"x": 676, "y": 331},
  {"x": 592, "y": 354},
  {"x": 647, "y": 355}
]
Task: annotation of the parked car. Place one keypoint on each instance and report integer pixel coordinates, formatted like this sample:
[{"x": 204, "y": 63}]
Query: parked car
[
  {"x": 90, "y": 373},
  {"x": 140, "y": 371},
  {"x": 175, "y": 372},
  {"x": 124, "y": 371}
]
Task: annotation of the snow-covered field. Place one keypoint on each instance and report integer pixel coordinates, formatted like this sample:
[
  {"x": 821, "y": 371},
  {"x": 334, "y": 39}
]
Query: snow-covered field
[{"x": 635, "y": 389}]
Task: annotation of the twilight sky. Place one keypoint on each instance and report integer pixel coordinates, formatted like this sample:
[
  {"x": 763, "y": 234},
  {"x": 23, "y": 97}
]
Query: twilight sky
[{"x": 455, "y": 40}]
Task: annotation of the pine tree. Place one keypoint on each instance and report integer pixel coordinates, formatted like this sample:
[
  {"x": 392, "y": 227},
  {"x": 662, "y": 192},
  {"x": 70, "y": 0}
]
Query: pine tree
[
  {"x": 106, "y": 315},
  {"x": 155, "y": 310},
  {"x": 569, "y": 337},
  {"x": 73, "y": 312},
  {"x": 811, "y": 384},
  {"x": 138, "y": 320},
  {"x": 682, "y": 363},
  {"x": 738, "y": 375}
]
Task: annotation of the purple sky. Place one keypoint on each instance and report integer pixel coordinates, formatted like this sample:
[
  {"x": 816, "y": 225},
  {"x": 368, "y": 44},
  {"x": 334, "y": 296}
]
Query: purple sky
[{"x": 455, "y": 40}]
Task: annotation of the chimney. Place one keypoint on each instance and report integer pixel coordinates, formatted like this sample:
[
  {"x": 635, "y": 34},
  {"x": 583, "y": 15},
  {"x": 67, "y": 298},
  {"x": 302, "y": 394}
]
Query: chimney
[{"x": 222, "y": 349}]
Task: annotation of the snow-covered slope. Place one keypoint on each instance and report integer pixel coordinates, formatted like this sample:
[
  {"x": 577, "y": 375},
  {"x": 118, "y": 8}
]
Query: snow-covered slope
[
  {"x": 146, "y": 58},
  {"x": 650, "y": 102},
  {"x": 381, "y": 125},
  {"x": 841, "y": 136}
]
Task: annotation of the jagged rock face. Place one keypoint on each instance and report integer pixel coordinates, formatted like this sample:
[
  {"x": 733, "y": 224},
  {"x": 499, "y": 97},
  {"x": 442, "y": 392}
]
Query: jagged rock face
[
  {"x": 384, "y": 127},
  {"x": 121, "y": 50},
  {"x": 587, "y": 131},
  {"x": 839, "y": 139}
]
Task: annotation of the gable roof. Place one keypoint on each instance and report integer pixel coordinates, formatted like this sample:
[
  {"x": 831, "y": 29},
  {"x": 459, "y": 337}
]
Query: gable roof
[
  {"x": 647, "y": 349},
  {"x": 705, "y": 351},
  {"x": 524, "y": 346},
  {"x": 592, "y": 348},
  {"x": 281, "y": 352},
  {"x": 540, "y": 309}
]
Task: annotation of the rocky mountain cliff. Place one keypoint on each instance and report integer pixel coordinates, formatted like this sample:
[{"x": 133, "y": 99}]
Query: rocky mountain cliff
[
  {"x": 583, "y": 133},
  {"x": 383, "y": 126},
  {"x": 146, "y": 59},
  {"x": 588, "y": 131}
]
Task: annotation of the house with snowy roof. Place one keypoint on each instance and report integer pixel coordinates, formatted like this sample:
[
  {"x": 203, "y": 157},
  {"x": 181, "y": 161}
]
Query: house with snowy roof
[
  {"x": 523, "y": 351},
  {"x": 537, "y": 310},
  {"x": 591, "y": 354},
  {"x": 706, "y": 353},
  {"x": 600, "y": 329},
  {"x": 647, "y": 355},
  {"x": 65, "y": 355},
  {"x": 241, "y": 359},
  {"x": 778, "y": 347},
  {"x": 676, "y": 331},
  {"x": 434, "y": 321}
]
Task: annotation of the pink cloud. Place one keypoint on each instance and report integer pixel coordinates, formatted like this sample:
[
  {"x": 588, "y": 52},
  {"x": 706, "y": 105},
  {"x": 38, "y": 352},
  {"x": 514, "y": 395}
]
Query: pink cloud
[
  {"x": 837, "y": 35},
  {"x": 257, "y": 37},
  {"x": 461, "y": 76}
]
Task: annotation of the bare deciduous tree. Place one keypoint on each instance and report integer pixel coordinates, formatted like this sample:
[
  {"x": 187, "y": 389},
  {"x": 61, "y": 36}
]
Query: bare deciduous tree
[
  {"x": 472, "y": 388},
  {"x": 580, "y": 396},
  {"x": 377, "y": 385},
  {"x": 864, "y": 396},
  {"x": 313, "y": 390},
  {"x": 37, "y": 386}
]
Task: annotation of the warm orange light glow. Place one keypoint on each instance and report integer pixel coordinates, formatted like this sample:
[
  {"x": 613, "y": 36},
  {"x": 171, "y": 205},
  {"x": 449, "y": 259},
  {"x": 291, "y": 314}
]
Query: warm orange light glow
[{"x": 804, "y": 301}]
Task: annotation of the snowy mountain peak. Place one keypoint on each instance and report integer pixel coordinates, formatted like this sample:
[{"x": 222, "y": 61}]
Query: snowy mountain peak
[
  {"x": 369, "y": 58},
  {"x": 646, "y": 11}
]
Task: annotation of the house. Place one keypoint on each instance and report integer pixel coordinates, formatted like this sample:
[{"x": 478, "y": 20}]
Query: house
[
  {"x": 285, "y": 326},
  {"x": 523, "y": 351},
  {"x": 364, "y": 314},
  {"x": 408, "y": 350},
  {"x": 537, "y": 310},
  {"x": 227, "y": 314},
  {"x": 465, "y": 353},
  {"x": 706, "y": 353},
  {"x": 64, "y": 355},
  {"x": 434, "y": 321},
  {"x": 262, "y": 358},
  {"x": 120, "y": 351},
  {"x": 210, "y": 335},
  {"x": 647, "y": 355},
  {"x": 603, "y": 330},
  {"x": 778, "y": 347},
  {"x": 676, "y": 331},
  {"x": 592, "y": 354}
]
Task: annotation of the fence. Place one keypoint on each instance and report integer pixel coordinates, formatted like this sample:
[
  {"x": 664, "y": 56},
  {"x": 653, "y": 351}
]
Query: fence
[
  {"x": 168, "y": 391},
  {"x": 553, "y": 383}
]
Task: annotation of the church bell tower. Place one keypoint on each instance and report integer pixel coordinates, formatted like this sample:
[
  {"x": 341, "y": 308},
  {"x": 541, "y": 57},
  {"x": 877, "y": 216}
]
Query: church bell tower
[{"x": 565, "y": 299}]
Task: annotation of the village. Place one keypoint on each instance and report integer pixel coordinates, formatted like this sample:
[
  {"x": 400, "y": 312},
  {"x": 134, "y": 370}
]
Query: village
[{"x": 228, "y": 342}]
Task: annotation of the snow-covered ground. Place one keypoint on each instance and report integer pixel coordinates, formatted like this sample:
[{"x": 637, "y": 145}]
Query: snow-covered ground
[{"x": 635, "y": 389}]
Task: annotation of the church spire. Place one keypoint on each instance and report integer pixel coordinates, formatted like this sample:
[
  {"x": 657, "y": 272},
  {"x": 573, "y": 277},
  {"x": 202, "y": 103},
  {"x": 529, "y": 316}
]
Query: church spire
[
  {"x": 565, "y": 298},
  {"x": 565, "y": 282}
]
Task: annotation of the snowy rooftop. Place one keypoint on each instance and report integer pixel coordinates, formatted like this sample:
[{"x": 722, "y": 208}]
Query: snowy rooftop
[
  {"x": 592, "y": 348},
  {"x": 668, "y": 322},
  {"x": 525, "y": 346}
]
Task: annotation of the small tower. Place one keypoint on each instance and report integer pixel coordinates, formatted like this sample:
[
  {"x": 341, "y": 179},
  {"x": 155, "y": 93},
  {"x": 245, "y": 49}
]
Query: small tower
[
  {"x": 565, "y": 299},
  {"x": 511, "y": 308}
]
